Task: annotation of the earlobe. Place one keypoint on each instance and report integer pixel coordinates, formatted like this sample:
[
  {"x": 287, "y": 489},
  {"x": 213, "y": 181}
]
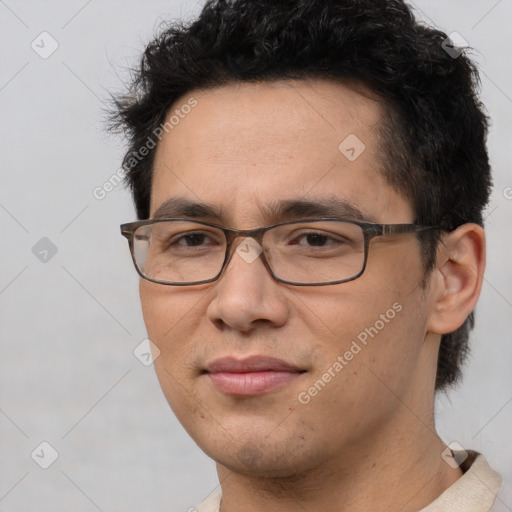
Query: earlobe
[{"x": 457, "y": 278}]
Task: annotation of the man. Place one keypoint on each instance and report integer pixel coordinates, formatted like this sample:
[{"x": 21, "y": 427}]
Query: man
[{"x": 309, "y": 178}]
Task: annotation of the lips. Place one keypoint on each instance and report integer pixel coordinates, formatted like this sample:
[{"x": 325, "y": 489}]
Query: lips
[{"x": 252, "y": 376}]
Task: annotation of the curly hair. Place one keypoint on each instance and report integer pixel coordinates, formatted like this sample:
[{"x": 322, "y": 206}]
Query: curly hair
[{"x": 433, "y": 137}]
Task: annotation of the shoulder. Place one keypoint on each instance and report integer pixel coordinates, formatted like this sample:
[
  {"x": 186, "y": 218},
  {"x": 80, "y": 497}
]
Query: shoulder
[{"x": 475, "y": 491}]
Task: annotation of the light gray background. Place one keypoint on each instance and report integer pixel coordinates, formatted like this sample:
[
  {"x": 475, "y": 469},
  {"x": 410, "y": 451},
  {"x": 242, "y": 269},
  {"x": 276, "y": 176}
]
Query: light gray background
[{"x": 69, "y": 326}]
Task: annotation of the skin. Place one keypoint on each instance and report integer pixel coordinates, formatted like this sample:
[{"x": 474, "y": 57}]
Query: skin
[{"x": 367, "y": 441}]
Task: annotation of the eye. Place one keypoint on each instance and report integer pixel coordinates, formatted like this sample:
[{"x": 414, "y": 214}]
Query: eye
[
  {"x": 199, "y": 239},
  {"x": 317, "y": 239},
  {"x": 191, "y": 239}
]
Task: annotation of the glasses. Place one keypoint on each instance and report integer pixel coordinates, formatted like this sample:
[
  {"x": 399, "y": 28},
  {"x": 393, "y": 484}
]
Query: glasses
[{"x": 307, "y": 252}]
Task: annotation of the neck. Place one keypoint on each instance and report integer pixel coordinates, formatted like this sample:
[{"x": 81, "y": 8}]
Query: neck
[{"x": 399, "y": 469}]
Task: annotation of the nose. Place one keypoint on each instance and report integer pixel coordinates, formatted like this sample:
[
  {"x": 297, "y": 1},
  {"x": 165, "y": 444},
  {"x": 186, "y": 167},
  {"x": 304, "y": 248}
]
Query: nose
[{"x": 246, "y": 294}]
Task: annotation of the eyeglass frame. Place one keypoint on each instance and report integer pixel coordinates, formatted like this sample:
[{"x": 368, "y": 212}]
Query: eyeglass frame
[{"x": 370, "y": 230}]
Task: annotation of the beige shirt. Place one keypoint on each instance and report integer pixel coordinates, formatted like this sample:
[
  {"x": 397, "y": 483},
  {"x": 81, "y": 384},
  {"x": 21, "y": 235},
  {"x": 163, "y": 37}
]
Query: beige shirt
[{"x": 474, "y": 491}]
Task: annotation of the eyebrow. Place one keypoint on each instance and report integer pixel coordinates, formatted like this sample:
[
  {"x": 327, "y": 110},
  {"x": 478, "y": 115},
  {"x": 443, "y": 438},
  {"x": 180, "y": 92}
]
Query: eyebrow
[{"x": 290, "y": 209}]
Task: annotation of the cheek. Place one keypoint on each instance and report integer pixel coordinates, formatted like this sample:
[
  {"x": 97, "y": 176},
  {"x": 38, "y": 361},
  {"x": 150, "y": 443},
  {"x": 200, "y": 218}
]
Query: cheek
[
  {"x": 169, "y": 318},
  {"x": 376, "y": 324},
  {"x": 366, "y": 373},
  {"x": 169, "y": 312},
  {"x": 158, "y": 309}
]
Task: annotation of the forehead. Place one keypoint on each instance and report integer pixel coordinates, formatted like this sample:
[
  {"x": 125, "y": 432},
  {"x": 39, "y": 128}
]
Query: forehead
[{"x": 245, "y": 145}]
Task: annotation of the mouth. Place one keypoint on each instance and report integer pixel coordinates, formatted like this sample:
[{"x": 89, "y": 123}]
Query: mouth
[{"x": 252, "y": 376}]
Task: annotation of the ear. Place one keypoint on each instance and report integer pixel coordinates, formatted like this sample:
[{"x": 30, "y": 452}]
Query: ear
[{"x": 457, "y": 278}]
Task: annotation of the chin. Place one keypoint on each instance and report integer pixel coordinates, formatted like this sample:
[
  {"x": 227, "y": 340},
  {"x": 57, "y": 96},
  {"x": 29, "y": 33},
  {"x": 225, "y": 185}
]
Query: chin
[
  {"x": 258, "y": 456},
  {"x": 250, "y": 461}
]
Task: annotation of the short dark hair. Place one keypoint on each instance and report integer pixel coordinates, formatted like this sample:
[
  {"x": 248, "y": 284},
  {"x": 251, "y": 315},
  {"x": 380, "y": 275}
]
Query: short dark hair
[{"x": 433, "y": 137}]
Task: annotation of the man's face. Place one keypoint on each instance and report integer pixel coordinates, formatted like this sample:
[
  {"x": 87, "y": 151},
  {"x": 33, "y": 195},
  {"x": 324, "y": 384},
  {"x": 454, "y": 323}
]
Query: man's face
[{"x": 244, "y": 147}]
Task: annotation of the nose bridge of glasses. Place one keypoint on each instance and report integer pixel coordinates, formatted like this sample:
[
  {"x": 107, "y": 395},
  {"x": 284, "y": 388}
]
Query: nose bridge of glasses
[
  {"x": 247, "y": 243},
  {"x": 236, "y": 237}
]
